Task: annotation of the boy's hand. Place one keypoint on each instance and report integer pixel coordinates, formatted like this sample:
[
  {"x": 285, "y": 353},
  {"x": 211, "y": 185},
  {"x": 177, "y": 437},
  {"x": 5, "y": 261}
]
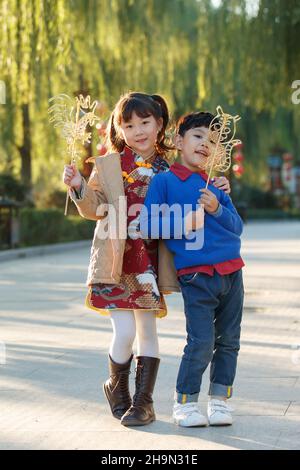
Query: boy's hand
[
  {"x": 222, "y": 183},
  {"x": 72, "y": 177},
  {"x": 209, "y": 200}
]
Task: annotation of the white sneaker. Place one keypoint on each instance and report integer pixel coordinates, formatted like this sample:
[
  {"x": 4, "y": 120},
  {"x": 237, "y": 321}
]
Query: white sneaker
[
  {"x": 188, "y": 415},
  {"x": 218, "y": 413}
]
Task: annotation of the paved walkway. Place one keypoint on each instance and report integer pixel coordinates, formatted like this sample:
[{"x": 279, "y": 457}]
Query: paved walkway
[{"x": 56, "y": 357}]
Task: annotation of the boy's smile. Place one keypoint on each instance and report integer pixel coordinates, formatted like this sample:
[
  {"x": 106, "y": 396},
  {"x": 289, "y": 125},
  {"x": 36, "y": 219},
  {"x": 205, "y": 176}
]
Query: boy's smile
[{"x": 195, "y": 148}]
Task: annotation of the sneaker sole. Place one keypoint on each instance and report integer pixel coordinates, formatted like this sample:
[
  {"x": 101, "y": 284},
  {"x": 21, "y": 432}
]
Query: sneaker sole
[
  {"x": 204, "y": 425},
  {"x": 220, "y": 424}
]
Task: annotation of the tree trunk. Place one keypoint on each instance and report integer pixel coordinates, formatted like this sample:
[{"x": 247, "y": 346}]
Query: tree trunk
[{"x": 25, "y": 152}]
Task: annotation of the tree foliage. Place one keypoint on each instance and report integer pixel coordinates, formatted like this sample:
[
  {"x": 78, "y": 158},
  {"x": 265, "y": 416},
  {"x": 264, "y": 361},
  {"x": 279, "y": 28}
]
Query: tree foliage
[{"x": 194, "y": 54}]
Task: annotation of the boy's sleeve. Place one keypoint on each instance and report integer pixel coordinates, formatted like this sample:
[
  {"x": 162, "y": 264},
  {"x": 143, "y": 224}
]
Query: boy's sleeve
[
  {"x": 227, "y": 215},
  {"x": 157, "y": 220}
]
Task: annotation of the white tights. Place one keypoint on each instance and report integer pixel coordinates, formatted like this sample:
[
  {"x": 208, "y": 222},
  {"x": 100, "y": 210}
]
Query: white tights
[{"x": 126, "y": 325}]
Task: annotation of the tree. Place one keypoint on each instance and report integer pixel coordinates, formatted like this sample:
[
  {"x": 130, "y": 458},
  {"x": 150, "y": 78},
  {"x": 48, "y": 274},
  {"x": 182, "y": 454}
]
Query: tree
[{"x": 196, "y": 55}]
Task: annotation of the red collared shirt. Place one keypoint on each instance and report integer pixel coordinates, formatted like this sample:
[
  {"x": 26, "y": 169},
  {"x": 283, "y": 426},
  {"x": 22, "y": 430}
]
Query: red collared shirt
[
  {"x": 184, "y": 173},
  {"x": 226, "y": 267}
]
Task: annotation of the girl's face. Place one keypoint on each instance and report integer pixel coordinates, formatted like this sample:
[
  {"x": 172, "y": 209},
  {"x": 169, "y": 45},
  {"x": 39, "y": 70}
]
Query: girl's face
[{"x": 140, "y": 133}]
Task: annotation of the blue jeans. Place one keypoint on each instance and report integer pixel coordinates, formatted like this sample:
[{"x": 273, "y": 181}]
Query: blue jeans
[{"x": 213, "y": 308}]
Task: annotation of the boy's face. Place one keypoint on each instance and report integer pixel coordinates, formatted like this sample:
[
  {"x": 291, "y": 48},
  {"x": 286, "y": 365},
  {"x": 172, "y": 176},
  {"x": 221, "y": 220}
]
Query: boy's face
[{"x": 195, "y": 148}]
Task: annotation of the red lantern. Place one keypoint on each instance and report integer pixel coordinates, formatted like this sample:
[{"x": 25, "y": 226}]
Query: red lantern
[
  {"x": 287, "y": 168},
  {"x": 238, "y": 157},
  {"x": 238, "y": 170},
  {"x": 101, "y": 127},
  {"x": 102, "y": 150}
]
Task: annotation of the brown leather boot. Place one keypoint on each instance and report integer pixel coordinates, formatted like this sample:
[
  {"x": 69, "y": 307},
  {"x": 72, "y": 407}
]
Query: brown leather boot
[
  {"x": 141, "y": 411},
  {"x": 116, "y": 388}
]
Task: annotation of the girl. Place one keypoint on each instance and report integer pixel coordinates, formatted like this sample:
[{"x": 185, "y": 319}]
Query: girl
[{"x": 127, "y": 275}]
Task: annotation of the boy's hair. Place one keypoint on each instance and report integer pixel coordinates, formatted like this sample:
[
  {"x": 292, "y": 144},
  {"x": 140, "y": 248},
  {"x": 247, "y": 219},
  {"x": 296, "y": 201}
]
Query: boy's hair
[
  {"x": 192, "y": 120},
  {"x": 143, "y": 105}
]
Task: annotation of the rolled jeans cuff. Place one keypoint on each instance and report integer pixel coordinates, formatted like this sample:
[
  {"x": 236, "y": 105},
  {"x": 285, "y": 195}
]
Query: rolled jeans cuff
[
  {"x": 220, "y": 390},
  {"x": 184, "y": 398}
]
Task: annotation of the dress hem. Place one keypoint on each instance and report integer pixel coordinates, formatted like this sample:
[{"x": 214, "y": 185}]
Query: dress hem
[{"x": 105, "y": 311}]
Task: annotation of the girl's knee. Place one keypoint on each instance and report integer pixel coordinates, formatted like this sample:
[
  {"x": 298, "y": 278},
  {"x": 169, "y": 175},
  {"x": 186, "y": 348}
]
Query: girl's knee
[{"x": 124, "y": 337}]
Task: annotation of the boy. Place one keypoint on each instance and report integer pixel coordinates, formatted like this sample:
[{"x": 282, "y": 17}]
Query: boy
[{"x": 209, "y": 273}]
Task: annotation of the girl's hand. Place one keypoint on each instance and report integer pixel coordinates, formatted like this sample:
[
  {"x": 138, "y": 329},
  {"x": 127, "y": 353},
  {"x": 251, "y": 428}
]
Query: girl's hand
[
  {"x": 209, "y": 200},
  {"x": 222, "y": 183},
  {"x": 72, "y": 177}
]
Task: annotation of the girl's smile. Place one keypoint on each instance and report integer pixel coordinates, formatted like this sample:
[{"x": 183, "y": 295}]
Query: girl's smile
[{"x": 141, "y": 141}]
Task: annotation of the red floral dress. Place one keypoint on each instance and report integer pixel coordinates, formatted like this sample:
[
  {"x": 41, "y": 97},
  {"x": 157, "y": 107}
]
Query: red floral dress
[{"x": 138, "y": 288}]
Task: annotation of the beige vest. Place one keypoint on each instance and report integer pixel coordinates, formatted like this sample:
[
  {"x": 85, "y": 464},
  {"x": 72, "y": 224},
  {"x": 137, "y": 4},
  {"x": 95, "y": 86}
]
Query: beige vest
[{"x": 105, "y": 185}]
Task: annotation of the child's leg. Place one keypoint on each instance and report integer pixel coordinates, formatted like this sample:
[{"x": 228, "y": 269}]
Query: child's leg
[
  {"x": 124, "y": 330},
  {"x": 227, "y": 336},
  {"x": 147, "y": 340},
  {"x": 200, "y": 295},
  {"x": 116, "y": 388},
  {"x": 142, "y": 412}
]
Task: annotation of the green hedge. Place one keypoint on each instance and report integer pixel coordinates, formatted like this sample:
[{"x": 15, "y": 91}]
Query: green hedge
[{"x": 46, "y": 226}]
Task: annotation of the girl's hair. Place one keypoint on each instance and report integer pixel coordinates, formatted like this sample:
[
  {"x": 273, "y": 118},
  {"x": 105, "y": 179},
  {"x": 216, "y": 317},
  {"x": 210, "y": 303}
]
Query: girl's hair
[{"x": 143, "y": 105}]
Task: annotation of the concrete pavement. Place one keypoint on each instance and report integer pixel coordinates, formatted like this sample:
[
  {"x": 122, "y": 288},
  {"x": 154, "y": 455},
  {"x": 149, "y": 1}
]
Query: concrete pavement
[{"x": 56, "y": 356}]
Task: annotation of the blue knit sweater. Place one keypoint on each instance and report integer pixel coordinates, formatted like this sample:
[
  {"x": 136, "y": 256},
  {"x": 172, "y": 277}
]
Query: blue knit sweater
[{"x": 219, "y": 241}]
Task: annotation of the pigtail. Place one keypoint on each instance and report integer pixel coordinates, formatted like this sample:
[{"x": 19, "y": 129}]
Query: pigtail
[
  {"x": 113, "y": 140},
  {"x": 164, "y": 109},
  {"x": 162, "y": 146}
]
